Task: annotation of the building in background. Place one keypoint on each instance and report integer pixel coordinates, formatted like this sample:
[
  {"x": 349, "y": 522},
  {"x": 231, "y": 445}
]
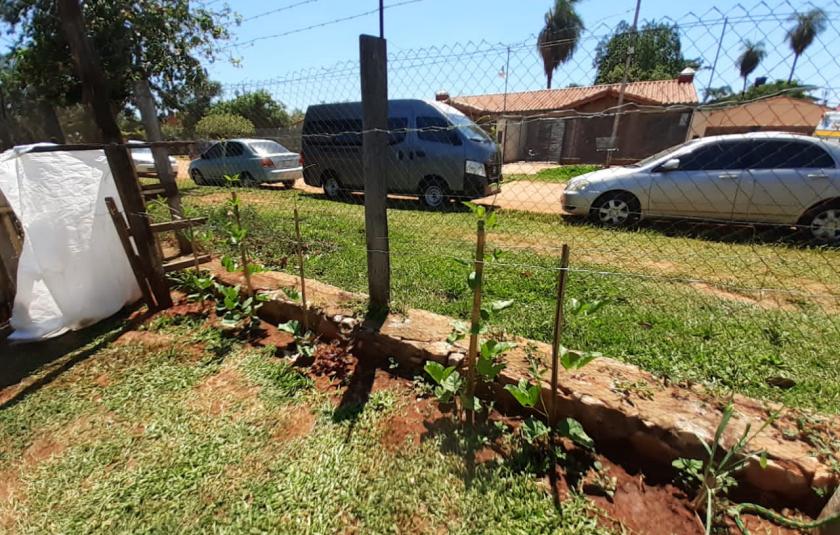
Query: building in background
[
  {"x": 573, "y": 125},
  {"x": 779, "y": 114}
]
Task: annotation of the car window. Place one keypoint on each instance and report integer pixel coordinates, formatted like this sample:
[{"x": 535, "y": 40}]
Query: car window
[
  {"x": 233, "y": 149},
  {"x": 783, "y": 154},
  {"x": 213, "y": 152},
  {"x": 397, "y": 129},
  {"x": 435, "y": 129},
  {"x": 267, "y": 147},
  {"x": 718, "y": 156}
]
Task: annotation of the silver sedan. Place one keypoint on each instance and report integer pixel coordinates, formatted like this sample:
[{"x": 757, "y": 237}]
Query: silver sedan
[{"x": 767, "y": 177}]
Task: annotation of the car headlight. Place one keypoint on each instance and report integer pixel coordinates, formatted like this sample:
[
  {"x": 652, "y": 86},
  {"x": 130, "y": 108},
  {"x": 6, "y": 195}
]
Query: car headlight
[
  {"x": 475, "y": 168},
  {"x": 577, "y": 185}
]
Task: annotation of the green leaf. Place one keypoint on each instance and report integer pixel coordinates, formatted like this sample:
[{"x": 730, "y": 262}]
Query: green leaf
[
  {"x": 229, "y": 263},
  {"x": 498, "y": 306},
  {"x": 291, "y": 327},
  {"x": 292, "y": 293},
  {"x": 575, "y": 360},
  {"x": 470, "y": 403},
  {"x": 488, "y": 368},
  {"x": 485, "y": 314},
  {"x": 473, "y": 280},
  {"x": 572, "y": 429},
  {"x": 525, "y": 393},
  {"x": 491, "y": 220},
  {"x": 461, "y": 261},
  {"x": 437, "y": 372},
  {"x": 255, "y": 268},
  {"x": 762, "y": 459},
  {"x": 533, "y": 429}
]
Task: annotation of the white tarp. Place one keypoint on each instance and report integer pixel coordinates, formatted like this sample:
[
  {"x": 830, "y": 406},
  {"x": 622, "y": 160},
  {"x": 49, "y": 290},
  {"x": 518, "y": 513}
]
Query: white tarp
[{"x": 72, "y": 271}]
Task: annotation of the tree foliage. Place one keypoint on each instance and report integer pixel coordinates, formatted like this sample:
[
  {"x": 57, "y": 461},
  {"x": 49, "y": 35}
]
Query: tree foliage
[
  {"x": 657, "y": 55},
  {"x": 259, "y": 107},
  {"x": 779, "y": 87},
  {"x": 751, "y": 55},
  {"x": 559, "y": 36},
  {"x": 803, "y": 33},
  {"x": 164, "y": 41},
  {"x": 224, "y": 126}
]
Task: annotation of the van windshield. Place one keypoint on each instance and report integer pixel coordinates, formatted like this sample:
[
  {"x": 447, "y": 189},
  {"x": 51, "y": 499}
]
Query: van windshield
[{"x": 471, "y": 130}]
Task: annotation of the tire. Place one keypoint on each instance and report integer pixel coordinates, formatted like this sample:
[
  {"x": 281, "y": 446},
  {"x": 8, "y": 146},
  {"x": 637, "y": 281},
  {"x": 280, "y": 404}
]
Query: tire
[
  {"x": 433, "y": 194},
  {"x": 247, "y": 181},
  {"x": 618, "y": 209},
  {"x": 823, "y": 223},
  {"x": 289, "y": 184},
  {"x": 332, "y": 187},
  {"x": 197, "y": 177}
]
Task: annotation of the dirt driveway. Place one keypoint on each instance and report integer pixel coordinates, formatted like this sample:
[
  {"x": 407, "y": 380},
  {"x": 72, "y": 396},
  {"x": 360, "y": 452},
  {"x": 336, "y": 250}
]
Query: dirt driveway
[{"x": 527, "y": 196}]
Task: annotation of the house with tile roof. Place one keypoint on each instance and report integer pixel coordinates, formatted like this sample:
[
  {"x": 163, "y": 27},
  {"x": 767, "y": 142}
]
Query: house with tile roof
[{"x": 573, "y": 124}]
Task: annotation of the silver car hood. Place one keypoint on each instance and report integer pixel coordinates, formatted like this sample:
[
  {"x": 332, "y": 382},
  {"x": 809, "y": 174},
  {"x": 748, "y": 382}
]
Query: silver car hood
[{"x": 602, "y": 175}]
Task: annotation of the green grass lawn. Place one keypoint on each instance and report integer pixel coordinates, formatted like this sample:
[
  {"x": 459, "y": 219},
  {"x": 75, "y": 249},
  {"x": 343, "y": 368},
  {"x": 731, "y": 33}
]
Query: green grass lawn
[
  {"x": 560, "y": 174},
  {"x": 686, "y": 308},
  {"x": 186, "y": 432}
]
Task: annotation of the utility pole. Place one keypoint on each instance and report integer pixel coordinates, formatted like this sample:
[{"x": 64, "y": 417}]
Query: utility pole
[
  {"x": 374, "y": 71},
  {"x": 717, "y": 54},
  {"x": 382, "y": 19},
  {"x": 630, "y": 51},
  {"x": 148, "y": 114},
  {"x": 96, "y": 95}
]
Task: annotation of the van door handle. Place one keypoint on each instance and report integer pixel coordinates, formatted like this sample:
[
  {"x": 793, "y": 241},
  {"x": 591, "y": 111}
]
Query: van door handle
[
  {"x": 818, "y": 174},
  {"x": 729, "y": 176},
  {"x": 421, "y": 154}
]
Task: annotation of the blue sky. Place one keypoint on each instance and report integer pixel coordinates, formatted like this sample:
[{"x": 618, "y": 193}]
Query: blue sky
[{"x": 459, "y": 45}]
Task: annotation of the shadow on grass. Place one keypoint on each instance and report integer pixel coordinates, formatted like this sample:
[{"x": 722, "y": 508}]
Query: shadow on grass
[{"x": 21, "y": 362}]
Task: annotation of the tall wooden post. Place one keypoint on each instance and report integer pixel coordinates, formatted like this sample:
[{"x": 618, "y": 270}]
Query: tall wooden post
[
  {"x": 559, "y": 321},
  {"x": 374, "y": 70},
  {"x": 122, "y": 167},
  {"x": 148, "y": 114}
]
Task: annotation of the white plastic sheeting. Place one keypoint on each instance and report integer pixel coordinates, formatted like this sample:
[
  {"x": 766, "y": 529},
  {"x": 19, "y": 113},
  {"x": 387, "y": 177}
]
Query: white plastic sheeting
[{"x": 72, "y": 271}]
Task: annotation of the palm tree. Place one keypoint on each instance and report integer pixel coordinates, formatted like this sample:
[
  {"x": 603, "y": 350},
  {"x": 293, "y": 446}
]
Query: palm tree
[
  {"x": 749, "y": 59},
  {"x": 559, "y": 37},
  {"x": 800, "y": 37}
]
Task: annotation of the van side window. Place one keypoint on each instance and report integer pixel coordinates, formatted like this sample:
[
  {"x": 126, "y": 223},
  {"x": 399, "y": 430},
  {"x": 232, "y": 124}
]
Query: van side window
[
  {"x": 397, "y": 129},
  {"x": 348, "y": 131},
  {"x": 435, "y": 129}
]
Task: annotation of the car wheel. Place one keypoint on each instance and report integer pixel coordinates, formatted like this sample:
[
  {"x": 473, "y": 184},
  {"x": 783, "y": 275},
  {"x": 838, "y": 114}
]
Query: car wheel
[
  {"x": 616, "y": 209},
  {"x": 332, "y": 188},
  {"x": 246, "y": 180},
  {"x": 289, "y": 184},
  {"x": 824, "y": 224},
  {"x": 197, "y": 177},
  {"x": 433, "y": 194}
]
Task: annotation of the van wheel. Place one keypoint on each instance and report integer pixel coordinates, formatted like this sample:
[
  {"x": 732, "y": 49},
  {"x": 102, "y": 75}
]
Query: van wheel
[
  {"x": 197, "y": 177},
  {"x": 433, "y": 193},
  {"x": 332, "y": 188}
]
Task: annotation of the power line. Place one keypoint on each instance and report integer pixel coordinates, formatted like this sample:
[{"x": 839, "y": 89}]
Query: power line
[
  {"x": 279, "y": 9},
  {"x": 321, "y": 24}
]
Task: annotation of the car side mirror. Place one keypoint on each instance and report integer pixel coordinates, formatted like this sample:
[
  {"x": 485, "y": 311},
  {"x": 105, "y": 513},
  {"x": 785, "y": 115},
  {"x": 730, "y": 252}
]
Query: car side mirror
[{"x": 670, "y": 165}]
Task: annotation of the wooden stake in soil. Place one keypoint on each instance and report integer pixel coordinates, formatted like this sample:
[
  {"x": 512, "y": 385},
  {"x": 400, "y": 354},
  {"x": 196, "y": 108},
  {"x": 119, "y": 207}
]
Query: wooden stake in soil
[
  {"x": 475, "y": 319},
  {"x": 243, "y": 255},
  {"x": 133, "y": 261},
  {"x": 558, "y": 331},
  {"x": 302, "y": 275}
]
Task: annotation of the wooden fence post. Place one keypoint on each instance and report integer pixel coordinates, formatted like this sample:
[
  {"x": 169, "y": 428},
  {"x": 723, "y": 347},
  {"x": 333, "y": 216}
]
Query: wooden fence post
[
  {"x": 374, "y": 71},
  {"x": 96, "y": 94},
  {"x": 475, "y": 319},
  {"x": 559, "y": 319}
]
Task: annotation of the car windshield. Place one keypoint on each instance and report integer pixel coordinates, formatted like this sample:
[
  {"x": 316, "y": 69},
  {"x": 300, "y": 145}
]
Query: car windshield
[
  {"x": 267, "y": 147},
  {"x": 663, "y": 153},
  {"x": 469, "y": 128}
]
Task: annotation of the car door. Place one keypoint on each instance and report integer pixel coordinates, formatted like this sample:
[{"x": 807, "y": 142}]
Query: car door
[
  {"x": 437, "y": 152},
  {"x": 788, "y": 176},
  {"x": 211, "y": 164},
  {"x": 400, "y": 178},
  {"x": 705, "y": 185},
  {"x": 234, "y": 162}
]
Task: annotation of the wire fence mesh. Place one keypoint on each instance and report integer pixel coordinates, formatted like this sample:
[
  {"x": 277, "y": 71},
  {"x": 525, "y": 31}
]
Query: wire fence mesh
[{"x": 718, "y": 260}]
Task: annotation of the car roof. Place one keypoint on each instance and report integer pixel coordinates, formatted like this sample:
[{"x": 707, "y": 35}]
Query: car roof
[{"x": 833, "y": 148}]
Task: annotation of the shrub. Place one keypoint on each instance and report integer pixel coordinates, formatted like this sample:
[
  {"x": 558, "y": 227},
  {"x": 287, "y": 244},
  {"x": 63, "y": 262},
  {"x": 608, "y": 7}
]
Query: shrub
[{"x": 223, "y": 126}]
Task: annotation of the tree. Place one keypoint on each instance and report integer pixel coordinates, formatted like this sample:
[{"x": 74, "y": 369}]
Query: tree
[
  {"x": 657, "y": 54},
  {"x": 779, "y": 87},
  {"x": 259, "y": 107},
  {"x": 749, "y": 59},
  {"x": 163, "y": 41},
  {"x": 800, "y": 37},
  {"x": 224, "y": 126},
  {"x": 559, "y": 37},
  {"x": 194, "y": 106}
]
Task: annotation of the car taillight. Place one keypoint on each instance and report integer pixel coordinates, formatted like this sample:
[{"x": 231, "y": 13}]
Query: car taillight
[
  {"x": 300, "y": 160},
  {"x": 268, "y": 163}
]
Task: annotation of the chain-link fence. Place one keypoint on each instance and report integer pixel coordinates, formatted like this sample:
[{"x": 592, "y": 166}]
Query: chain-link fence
[{"x": 717, "y": 259}]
